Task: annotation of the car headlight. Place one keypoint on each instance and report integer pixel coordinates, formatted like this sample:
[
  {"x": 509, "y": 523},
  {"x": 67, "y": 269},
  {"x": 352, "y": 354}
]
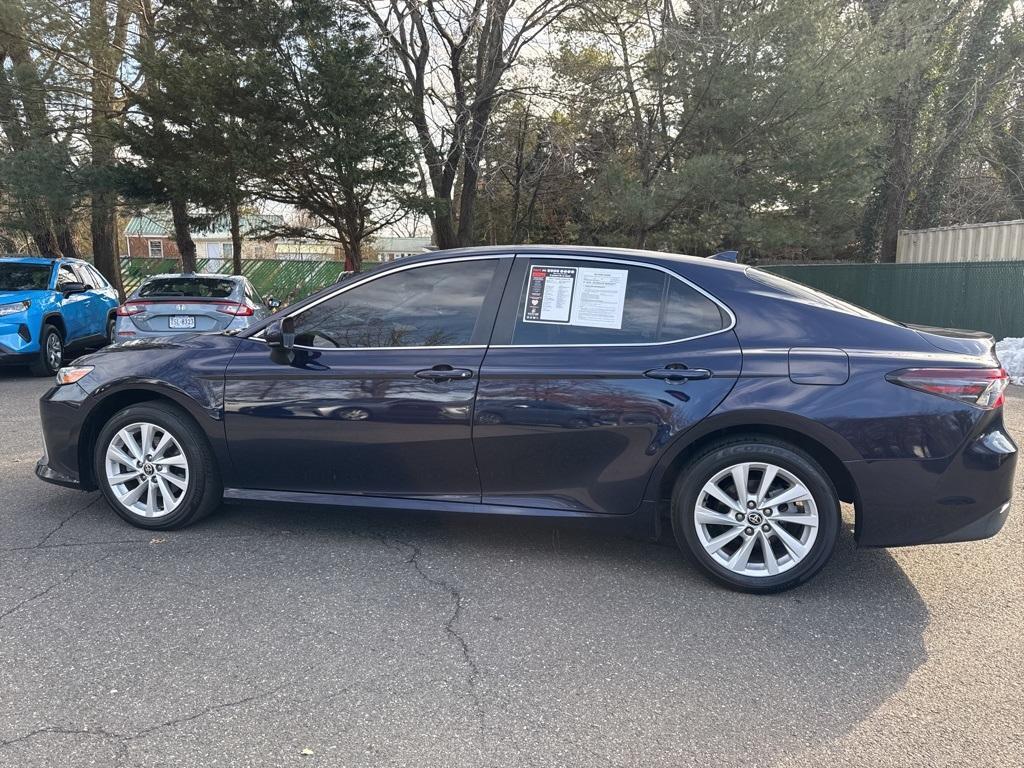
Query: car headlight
[
  {"x": 14, "y": 308},
  {"x": 72, "y": 373}
]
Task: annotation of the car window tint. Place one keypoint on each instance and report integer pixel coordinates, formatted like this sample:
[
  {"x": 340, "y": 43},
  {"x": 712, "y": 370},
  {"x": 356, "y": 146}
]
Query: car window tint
[
  {"x": 689, "y": 313},
  {"x": 195, "y": 287},
  {"x": 24, "y": 277},
  {"x": 83, "y": 275},
  {"x": 590, "y": 302},
  {"x": 428, "y": 306}
]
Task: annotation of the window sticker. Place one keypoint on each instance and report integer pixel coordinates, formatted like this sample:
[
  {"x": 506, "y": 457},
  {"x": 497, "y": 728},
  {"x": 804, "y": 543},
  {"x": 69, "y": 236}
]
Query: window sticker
[{"x": 585, "y": 296}]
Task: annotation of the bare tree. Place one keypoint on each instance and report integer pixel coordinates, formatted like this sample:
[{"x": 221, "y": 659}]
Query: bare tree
[{"x": 453, "y": 56}]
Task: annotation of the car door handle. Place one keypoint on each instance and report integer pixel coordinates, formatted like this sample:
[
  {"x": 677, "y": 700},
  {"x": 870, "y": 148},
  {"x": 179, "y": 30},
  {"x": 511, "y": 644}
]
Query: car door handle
[
  {"x": 444, "y": 373},
  {"x": 677, "y": 373}
]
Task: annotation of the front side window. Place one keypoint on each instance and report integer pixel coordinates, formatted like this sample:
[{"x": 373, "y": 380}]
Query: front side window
[
  {"x": 65, "y": 275},
  {"x": 430, "y": 306},
  {"x": 566, "y": 301}
]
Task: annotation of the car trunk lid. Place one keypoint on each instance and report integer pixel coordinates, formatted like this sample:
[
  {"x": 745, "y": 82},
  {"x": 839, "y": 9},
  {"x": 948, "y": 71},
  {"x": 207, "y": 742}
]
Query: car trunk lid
[
  {"x": 959, "y": 341},
  {"x": 184, "y": 314}
]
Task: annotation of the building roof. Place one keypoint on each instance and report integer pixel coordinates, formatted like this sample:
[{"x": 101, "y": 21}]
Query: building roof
[
  {"x": 401, "y": 244},
  {"x": 159, "y": 224}
]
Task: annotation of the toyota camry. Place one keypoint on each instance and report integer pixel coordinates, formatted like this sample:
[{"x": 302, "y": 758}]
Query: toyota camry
[{"x": 627, "y": 388}]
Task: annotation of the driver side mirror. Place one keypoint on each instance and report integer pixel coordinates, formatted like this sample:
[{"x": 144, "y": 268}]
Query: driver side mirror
[
  {"x": 273, "y": 303},
  {"x": 71, "y": 288},
  {"x": 281, "y": 333}
]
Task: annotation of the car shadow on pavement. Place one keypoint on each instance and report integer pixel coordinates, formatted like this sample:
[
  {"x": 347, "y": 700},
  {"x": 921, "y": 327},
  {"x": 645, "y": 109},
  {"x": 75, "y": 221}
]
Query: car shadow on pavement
[{"x": 559, "y": 623}]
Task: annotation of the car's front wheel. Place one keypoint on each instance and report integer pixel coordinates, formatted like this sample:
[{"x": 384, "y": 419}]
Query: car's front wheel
[
  {"x": 51, "y": 352},
  {"x": 756, "y": 514},
  {"x": 155, "y": 467}
]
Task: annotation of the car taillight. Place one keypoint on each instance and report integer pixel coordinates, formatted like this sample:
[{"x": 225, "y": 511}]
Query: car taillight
[
  {"x": 132, "y": 308},
  {"x": 238, "y": 310},
  {"x": 983, "y": 387}
]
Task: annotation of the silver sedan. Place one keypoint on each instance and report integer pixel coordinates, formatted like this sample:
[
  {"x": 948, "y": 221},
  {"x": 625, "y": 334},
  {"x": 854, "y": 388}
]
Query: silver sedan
[{"x": 189, "y": 303}]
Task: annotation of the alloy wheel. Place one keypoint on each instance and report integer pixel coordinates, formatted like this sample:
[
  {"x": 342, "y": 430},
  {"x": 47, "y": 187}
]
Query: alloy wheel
[
  {"x": 54, "y": 352},
  {"x": 756, "y": 519},
  {"x": 146, "y": 469}
]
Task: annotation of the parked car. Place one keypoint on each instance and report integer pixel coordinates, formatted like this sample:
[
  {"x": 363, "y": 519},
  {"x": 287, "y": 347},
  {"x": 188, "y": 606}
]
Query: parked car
[
  {"x": 50, "y": 308},
  {"x": 735, "y": 406},
  {"x": 189, "y": 302}
]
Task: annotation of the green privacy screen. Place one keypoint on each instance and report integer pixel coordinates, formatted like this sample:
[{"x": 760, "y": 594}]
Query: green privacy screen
[{"x": 983, "y": 296}]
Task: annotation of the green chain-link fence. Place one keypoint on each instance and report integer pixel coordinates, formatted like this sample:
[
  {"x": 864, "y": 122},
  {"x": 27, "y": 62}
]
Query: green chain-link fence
[
  {"x": 983, "y": 296},
  {"x": 284, "y": 280}
]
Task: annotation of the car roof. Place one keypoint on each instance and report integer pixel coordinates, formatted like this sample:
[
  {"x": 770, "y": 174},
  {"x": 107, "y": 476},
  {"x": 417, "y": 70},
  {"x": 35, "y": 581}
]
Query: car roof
[
  {"x": 41, "y": 260},
  {"x": 574, "y": 250}
]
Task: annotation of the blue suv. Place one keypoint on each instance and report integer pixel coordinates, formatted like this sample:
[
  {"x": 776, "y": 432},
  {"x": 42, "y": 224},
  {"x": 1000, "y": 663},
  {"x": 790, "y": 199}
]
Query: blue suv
[{"x": 49, "y": 307}]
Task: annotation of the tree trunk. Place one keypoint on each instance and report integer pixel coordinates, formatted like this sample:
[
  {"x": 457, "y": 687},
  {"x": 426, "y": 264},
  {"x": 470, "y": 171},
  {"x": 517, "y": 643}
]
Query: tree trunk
[
  {"x": 236, "y": 237},
  {"x": 105, "y": 55},
  {"x": 182, "y": 235}
]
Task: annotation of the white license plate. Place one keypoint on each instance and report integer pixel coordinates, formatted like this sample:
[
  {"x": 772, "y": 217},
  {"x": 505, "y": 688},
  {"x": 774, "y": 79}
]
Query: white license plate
[{"x": 181, "y": 321}]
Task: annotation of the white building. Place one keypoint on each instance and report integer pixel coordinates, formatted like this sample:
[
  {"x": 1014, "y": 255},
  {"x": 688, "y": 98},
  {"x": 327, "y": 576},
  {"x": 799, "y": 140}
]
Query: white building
[{"x": 391, "y": 248}]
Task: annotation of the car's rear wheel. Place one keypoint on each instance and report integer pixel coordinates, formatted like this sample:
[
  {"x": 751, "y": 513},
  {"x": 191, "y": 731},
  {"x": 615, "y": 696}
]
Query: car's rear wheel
[
  {"x": 155, "y": 467},
  {"x": 51, "y": 352},
  {"x": 756, "y": 514},
  {"x": 111, "y": 329}
]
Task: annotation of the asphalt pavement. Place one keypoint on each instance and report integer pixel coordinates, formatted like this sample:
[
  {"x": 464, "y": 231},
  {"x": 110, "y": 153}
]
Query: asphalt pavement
[{"x": 311, "y": 637}]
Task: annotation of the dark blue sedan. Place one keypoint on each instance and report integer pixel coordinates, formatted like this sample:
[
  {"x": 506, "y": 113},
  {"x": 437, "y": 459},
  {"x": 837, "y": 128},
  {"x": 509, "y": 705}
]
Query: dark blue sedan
[{"x": 631, "y": 388}]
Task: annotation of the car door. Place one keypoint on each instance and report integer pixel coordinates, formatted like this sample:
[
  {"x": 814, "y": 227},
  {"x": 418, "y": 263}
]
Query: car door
[
  {"x": 596, "y": 364},
  {"x": 73, "y": 307},
  {"x": 97, "y": 303},
  {"x": 376, "y": 397}
]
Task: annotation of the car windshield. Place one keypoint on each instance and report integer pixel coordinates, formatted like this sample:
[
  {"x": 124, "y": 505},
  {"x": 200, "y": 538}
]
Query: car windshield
[
  {"x": 198, "y": 287},
  {"x": 24, "y": 277}
]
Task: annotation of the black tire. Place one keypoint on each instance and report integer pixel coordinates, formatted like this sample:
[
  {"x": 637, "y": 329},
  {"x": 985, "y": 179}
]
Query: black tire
[
  {"x": 204, "y": 491},
  {"x": 111, "y": 329},
  {"x": 722, "y": 456},
  {"x": 47, "y": 364}
]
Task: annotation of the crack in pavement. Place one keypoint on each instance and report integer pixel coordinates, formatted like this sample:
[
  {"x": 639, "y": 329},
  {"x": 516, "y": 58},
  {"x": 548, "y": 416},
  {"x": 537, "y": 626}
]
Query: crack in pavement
[
  {"x": 413, "y": 558},
  {"x": 55, "y": 585},
  {"x": 65, "y": 521}
]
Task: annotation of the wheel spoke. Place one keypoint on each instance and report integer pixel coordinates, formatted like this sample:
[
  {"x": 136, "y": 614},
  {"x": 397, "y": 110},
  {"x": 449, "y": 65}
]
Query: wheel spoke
[
  {"x": 165, "y": 491},
  {"x": 134, "y": 494},
  {"x": 800, "y": 519},
  {"x": 720, "y": 541},
  {"x": 766, "y": 482},
  {"x": 705, "y": 516},
  {"x": 129, "y": 442},
  {"x": 174, "y": 461},
  {"x": 161, "y": 446},
  {"x": 741, "y": 556},
  {"x": 770, "y": 561},
  {"x": 118, "y": 455},
  {"x": 124, "y": 477},
  {"x": 146, "y": 438},
  {"x": 740, "y": 477},
  {"x": 151, "y": 508},
  {"x": 713, "y": 490},
  {"x": 174, "y": 479},
  {"x": 792, "y": 545},
  {"x": 797, "y": 493}
]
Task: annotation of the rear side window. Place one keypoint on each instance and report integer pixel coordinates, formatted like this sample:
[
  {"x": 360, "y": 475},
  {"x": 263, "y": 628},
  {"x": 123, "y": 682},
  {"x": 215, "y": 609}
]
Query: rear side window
[
  {"x": 605, "y": 302},
  {"x": 195, "y": 287}
]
